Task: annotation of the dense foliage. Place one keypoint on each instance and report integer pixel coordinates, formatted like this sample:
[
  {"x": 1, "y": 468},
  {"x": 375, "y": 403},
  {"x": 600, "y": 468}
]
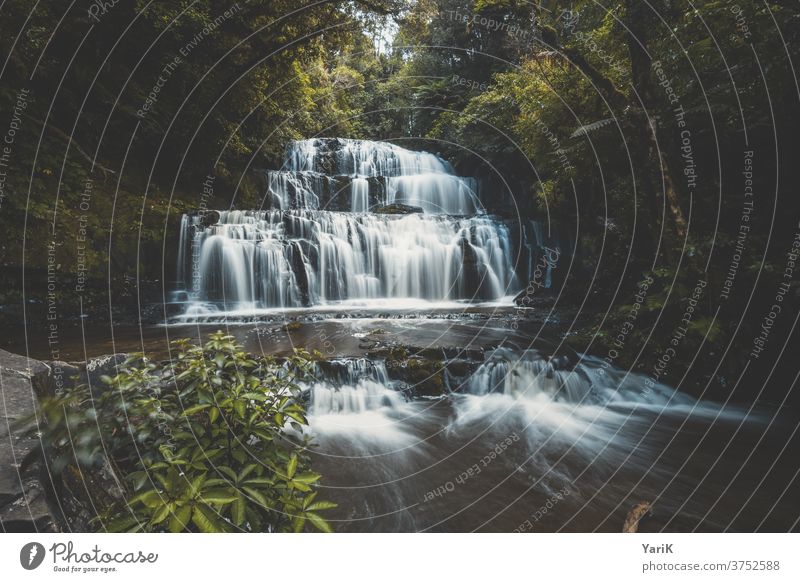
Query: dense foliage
[
  {"x": 210, "y": 442},
  {"x": 647, "y": 129},
  {"x": 129, "y": 107},
  {"x": 628, "y": 122}
]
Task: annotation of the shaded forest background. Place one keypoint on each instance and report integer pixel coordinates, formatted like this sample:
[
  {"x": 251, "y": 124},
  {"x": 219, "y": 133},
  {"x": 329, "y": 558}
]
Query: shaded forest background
[{"x": 629, "y": 122}]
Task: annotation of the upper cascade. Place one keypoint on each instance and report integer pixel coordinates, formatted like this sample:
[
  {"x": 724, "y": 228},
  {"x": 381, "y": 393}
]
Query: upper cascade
[
  {"x": 358, "y": 176},
  {"x": 360, "y": 158}
]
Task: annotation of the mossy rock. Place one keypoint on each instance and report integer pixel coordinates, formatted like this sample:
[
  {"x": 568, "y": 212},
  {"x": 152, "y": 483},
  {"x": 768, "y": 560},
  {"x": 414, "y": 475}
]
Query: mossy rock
[{"x": 426, "y": 377}]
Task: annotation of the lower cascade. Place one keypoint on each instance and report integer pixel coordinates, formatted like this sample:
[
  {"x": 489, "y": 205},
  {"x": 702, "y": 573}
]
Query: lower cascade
[
  {"x": 309, "y": 257},
  {"x": 351, "y": 386}
]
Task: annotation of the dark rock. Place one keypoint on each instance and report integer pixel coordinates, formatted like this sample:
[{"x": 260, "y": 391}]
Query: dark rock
[
  {"x": 475, "y": 273},
  {"x": 24, "y": 482},
  {"x": 461, "y": 369},
  {"x": 300, "y": 274},
  {"x": 61, "y": 376},
  {"x": 424, "y": 377},
  {"x": 394, "y": 209},
  {"x": 209, "y": 218},
  {"x": 472, "y": 354}
]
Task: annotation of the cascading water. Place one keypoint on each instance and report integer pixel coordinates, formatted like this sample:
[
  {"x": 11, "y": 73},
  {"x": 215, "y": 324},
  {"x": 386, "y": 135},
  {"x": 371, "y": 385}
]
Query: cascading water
[
  {"x": 524, "y": 431},
  {"x": 351, "y": 386},
  {"x": 515, "y": 428},
  {"x": 323, "y": 244}
]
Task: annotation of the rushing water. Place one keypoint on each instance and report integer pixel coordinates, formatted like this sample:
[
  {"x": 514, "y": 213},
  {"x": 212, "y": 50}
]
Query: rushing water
[
  {"x": 301, "y": 254},
  {"x": 531, "y": 443},
  {"x": 521, "y": 439}
]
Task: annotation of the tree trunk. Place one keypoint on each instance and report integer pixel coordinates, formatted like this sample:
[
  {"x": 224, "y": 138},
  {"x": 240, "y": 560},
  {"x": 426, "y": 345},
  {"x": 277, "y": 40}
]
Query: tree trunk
[{"x": 641, "y": 63}]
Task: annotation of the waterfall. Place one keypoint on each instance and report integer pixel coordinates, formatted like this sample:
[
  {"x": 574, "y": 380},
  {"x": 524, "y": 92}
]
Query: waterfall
[
  {"x": 320, "y": 242},
  {"x": 352, "y": 386},
  {"x": 530, "y": 375},
  {"x": 360, "y": 158},
  {"x": 360, "y": 195}
]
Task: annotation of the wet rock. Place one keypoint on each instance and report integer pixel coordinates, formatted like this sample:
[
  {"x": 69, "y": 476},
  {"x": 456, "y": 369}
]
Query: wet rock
[
  {"x": 300, "y": 275},
  {"x": 424, "y": 377},
  {"x": 475, "y": 273},
  {"x": 24, "y": 482},
  {"x": 209, "y": 218},
  {"x": 471, "y": 354},
  {"x": 394, "y": 209},
  {"x": 461, "y": 369}
]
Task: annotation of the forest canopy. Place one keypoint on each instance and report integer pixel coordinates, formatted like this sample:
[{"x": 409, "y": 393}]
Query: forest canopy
[{"x": 646, "y": 127}]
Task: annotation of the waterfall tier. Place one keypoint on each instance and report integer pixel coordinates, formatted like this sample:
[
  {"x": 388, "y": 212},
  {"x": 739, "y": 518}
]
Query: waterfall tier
[
  {"x": 360, "y": 158},
  {"x": 307, "y": 257},
  {"x": 351, "y": 386},
  {"x": 328, "y": 236}
]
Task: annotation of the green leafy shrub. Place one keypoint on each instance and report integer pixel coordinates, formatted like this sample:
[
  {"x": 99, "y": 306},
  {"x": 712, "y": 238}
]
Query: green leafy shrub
[{"x": 210, "y": 441}]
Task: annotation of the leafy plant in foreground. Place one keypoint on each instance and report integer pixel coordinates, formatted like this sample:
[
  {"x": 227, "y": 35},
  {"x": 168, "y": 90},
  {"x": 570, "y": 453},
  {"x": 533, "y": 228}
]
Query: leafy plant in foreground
[{"x": 210, "y": 441}]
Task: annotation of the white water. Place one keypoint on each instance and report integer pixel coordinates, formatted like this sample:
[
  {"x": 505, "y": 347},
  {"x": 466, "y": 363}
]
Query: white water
[
  {"x": 532, "y": 425},
  {"x": 298, "y": 255},
  {"x": 360, "y": 158},
  {"x": 536, "y": 391},
  {"x": 360, "y": 194}
]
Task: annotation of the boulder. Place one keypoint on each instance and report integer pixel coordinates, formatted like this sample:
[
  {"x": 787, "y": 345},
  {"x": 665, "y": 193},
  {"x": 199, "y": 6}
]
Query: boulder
[
  {"x": 209, "y": 218},
  {"x": 24, "y": 483}
]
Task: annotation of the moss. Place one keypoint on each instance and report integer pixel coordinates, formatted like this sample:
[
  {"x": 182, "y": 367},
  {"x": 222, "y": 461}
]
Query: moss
[{"x": 426, "y": 377}]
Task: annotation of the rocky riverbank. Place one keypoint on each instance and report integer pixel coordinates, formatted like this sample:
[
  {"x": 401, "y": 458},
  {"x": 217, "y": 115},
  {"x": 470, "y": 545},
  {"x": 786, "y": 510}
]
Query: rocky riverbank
[{"x": 33, "y": 496}]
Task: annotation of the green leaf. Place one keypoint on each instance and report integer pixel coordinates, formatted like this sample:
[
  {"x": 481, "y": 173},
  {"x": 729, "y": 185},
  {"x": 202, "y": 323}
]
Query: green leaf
[
  {"x": 247, "y": 470},
  {"x": 218, "y": 496},
  {"x": 298, "y": 417},
  {"x": 180, "y": 519},
  {"x": 298, "y": 523},
  {"x": 240, "y": 406},
  {"x": 260, "y": 481},
  {"x": 161, "y": 514},
  {"x": 257, "y": 495},
  {"x": 257, "y": 396},
  {"x": 291, "y": 466},
  {"x": 150, "y": 498},
  {"x": 206, "y": 520},
  {"x": 227, "y": 471},
  {"x": 319, "y": 522},
  {"x": 238, "y": 510},
  {"x": 300, "y": 486},
  {"x": 121, "y": 524},
  {"x": 307, "y": 478},
  {"x": 195, "y": 409},
  {"x": 321, "y": 505}
]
